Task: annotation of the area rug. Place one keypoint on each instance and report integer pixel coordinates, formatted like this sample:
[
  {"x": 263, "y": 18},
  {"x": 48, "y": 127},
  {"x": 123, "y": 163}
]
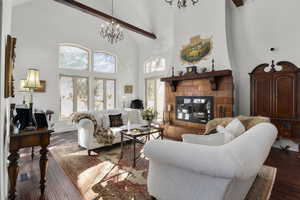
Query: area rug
[{"x": 106, "y": 177}]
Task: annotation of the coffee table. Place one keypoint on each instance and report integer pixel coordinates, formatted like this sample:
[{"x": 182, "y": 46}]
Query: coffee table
[{"x": 139, "y": 135}]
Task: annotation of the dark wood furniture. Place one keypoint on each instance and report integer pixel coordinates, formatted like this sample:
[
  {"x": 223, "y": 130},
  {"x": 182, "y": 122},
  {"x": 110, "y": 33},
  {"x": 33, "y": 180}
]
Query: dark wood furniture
[
  {"x": 25, "y": 139},
  {"x": 140, "y": 136},
  {"x": 218, "y": 84},
  {"x": 276, "y": 94}
]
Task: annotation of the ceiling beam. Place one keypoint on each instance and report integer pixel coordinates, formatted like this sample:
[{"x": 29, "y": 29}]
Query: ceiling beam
[
  {"x": 238, "y": 2},
  {"x": 99, "y": 14}
]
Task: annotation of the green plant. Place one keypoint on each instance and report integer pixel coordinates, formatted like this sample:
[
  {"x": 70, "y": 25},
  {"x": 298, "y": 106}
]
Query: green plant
[{"x": 149, "y": 114}]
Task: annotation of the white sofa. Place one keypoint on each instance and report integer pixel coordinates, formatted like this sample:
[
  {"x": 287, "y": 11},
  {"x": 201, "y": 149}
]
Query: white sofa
[
  {"x": 213, "y": 171},
  {"x": 85, "y": 127}
]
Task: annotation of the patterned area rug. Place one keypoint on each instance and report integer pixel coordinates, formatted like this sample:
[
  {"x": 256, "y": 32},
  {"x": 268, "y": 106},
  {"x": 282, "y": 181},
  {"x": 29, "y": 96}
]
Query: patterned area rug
[{"x": 106, "y": 177}]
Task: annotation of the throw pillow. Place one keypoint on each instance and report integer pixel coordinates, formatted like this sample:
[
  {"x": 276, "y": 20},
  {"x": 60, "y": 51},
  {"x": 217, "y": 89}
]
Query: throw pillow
[
  {"x": 116, "y": 120},
  {"x": 236, "y": 127},
  {"x": 228, "y": 136}
]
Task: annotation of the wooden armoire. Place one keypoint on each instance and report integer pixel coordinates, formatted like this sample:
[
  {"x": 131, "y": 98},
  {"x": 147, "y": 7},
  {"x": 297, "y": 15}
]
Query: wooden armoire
[{"x": 275, "y": 93}]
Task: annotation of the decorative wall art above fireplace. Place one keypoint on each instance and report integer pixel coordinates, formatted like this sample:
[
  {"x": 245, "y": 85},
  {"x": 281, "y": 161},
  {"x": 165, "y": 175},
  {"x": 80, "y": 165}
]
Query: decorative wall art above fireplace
[{"x": 196, "y": 109}]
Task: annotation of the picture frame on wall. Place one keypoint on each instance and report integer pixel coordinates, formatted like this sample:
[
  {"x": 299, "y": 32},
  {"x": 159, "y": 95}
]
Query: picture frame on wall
[
  {"x": 128, "y": 89},
  {"x": 10, "y": 57}
]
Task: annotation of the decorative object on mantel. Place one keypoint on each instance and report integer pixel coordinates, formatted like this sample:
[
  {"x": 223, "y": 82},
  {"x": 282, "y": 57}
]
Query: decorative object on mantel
[
  {"x": 112, "y": 31},
  {"x": 173, "y": 72},
  {"x": 276, "y": 94},
  {"x": 180, "y": 73},
  {"x": 211, "y": 76},
  {"x": 197, "y": 49},
  {"x": 10, "y": 57},
  {"x": 191, "y": 70},
  {"x": 182, "y": 3},
  {"x": 202, "y": 69}
]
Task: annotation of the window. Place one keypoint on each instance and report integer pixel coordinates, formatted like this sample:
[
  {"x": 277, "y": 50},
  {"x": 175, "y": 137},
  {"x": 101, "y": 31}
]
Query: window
[
  {"x": 155, "y": 96},
  {"x": 73, "y": 57},
  {"x": 104, "y": 63},
  {"x": 105, "y": 94},
  {"x": 74, "y": 95},
  {"x": 155, "y": 65}
]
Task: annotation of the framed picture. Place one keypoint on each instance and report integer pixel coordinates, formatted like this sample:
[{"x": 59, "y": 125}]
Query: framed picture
[
  {"x": 42, "y": 88},
  {"x": 10, "y": 57},
  {"x": 128, "y": 89}
]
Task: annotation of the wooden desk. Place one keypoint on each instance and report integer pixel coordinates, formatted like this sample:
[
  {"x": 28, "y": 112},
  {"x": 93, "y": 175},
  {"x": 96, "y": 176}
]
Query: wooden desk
[{"x": 25, "y": 139}]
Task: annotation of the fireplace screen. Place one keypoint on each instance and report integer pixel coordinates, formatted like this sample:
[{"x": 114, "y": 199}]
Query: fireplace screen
[{"x": 197, "y": 109}]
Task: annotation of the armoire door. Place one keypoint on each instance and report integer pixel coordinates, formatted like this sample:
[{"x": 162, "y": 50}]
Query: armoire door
[
  {"x": 261, "y": 95},
  {"x": 284, "y": 95}
]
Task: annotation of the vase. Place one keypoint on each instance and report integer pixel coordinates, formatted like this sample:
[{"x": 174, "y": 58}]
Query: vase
[{"x": 149, "y": 124}]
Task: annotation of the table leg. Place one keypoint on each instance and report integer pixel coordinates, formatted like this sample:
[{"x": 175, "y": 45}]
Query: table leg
[
  {"x": 13, "y": 170},
  {"x": 162, "y": 135},
  {"x": 134, "y": 160},
  {"x": 32, "y": 153},
  {"x": 122, "y": 146},
  {"x": 43, "y": 168}
]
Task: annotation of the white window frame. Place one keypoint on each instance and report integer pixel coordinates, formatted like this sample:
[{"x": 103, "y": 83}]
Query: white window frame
[
  {"x": 74, "y": 77},
  {"x": 105, "y": 52},
  {"x": 147, "y": 61},
  {"x": 155, "y": 97},
  {"x": 104, "y": 91},
  {"x": 79, "y": 47}
]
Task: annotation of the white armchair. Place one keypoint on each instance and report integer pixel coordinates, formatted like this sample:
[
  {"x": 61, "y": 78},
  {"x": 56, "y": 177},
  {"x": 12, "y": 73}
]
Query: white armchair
[{"x": 207, "y": 172}]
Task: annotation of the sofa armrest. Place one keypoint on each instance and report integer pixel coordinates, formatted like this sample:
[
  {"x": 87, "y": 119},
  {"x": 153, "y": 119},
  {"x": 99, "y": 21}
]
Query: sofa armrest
[
  {"x": 87, "y": 125},
  {"x": 207, "y": 160},
  {"x": 85, "y": 133},
  {"x": 211, "y": 140}
]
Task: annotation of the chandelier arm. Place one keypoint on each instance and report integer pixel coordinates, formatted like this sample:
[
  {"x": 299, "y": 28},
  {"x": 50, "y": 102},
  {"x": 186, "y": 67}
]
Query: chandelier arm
[{"x": 195, "y": 1}]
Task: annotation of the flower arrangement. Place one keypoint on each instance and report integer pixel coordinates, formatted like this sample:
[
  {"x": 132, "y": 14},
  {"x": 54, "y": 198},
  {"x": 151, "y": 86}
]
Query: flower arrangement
[{"x": 149, "y": 115}]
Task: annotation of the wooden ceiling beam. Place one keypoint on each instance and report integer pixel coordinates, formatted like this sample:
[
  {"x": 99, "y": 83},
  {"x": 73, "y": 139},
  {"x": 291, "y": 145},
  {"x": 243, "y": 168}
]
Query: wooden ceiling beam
[
  {"x": 238, "y": 2},
  {"x": 99, "y": 14}
]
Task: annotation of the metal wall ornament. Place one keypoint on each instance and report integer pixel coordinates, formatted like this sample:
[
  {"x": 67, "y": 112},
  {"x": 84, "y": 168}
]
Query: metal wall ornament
[
  {"x": 182, "y": 3},
  {"x": 197, "y": 50}
]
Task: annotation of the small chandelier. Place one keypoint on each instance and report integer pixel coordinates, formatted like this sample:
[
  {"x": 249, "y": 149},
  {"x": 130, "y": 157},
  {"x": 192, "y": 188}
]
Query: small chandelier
[
  {"x": 112, "y": 31},
  {"x": 182, "y": 3}
]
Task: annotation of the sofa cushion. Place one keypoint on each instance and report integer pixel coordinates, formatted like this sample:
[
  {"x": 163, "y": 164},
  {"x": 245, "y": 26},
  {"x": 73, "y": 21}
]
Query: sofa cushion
[
  {"x": 228, "y": 135},
  {"x": 116, "y": 120},
  {"x": 236, "y": 127}
]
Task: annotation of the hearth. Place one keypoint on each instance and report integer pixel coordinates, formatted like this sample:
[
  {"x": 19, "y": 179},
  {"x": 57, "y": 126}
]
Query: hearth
[{"x": 196, "y": 109}]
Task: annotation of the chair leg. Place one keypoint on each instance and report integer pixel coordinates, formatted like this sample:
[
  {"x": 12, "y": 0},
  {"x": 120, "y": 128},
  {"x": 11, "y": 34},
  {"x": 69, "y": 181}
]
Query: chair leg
[
  {"x": 89, "y": 152},
  {"x": 153, "y": 198},
  {"x": 32, "y": 153}
]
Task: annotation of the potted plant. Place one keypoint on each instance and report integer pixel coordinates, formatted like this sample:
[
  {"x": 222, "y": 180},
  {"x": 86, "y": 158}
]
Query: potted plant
[{"x": 149, "y": 115}]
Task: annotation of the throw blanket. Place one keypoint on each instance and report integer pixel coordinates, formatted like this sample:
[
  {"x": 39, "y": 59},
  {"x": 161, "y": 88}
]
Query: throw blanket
[{"x": 102, "y": 135}]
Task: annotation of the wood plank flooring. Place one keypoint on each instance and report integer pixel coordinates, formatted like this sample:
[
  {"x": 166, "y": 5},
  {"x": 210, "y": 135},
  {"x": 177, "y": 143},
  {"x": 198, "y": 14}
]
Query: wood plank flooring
[{"x": 59, "y": 187}]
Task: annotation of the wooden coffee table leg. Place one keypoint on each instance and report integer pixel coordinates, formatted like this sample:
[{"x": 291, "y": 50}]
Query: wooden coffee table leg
[
  {"x": 134, "y": 156},
  {"x": 13, "y": 170},
  {"x": 122, "y": 146},
  {"x": 43, "y": 168}
]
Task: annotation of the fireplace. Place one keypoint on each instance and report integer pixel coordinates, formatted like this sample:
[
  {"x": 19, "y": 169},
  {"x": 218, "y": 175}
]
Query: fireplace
[{"x": 196, "y": 109}]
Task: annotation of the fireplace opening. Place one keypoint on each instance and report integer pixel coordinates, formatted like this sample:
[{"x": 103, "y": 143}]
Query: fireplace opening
[{"x": 196, "y": 109}]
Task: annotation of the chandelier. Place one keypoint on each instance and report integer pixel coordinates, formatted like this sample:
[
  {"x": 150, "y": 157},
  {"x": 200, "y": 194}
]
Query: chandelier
[
  {"x": 182, "y": 3},
  {"x": 112, "y": 31}
]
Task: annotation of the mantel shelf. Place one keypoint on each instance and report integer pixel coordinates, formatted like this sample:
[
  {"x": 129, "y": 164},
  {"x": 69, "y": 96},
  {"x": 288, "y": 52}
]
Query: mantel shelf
[{"x": 211, "y": 76}]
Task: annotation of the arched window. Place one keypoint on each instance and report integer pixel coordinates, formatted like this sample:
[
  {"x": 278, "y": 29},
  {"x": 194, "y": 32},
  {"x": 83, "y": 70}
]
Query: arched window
[
  {"x": 155, "y": 65},
  {"x": 104, "y": 62},
  {"x": 73, "y": 57}
]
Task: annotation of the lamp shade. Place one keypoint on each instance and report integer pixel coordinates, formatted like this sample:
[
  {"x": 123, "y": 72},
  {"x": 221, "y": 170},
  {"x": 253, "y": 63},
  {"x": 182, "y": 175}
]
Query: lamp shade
[
  {"x": 33, "y": 79},
  {"x": 22, "y": 86}
]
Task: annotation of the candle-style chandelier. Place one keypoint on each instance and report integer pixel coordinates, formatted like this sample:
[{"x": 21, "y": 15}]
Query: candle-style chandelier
[
  {"x": 112, "y": 31},
  {"x": 182, "y": 3}
]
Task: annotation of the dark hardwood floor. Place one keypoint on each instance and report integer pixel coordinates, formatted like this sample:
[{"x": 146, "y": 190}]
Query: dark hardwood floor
[{"x": 59, "y": 187}]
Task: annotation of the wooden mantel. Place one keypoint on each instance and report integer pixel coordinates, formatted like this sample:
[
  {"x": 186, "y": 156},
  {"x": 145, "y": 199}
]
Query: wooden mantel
[{"x": 211, "y": 76}]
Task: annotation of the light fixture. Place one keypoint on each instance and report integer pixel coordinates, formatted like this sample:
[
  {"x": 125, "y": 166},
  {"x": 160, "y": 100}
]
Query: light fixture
[
  {"x": 182, "y": 3},
  {"x": 33, "y": 79},
  {"x": 112, "y": 31}
]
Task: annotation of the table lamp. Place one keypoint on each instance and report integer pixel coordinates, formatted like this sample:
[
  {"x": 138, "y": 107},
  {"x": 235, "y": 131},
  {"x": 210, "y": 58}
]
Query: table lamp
[{"x": 32, "y": 82}]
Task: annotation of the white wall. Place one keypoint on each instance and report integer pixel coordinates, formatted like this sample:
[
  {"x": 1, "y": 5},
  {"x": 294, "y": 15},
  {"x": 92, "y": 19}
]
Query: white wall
[
  {"x": 176, "y": 27},
  {"x": 40, "y": 26},
  {"x": 5, "y": 29},
  {"x": 255, "y": 28}
]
